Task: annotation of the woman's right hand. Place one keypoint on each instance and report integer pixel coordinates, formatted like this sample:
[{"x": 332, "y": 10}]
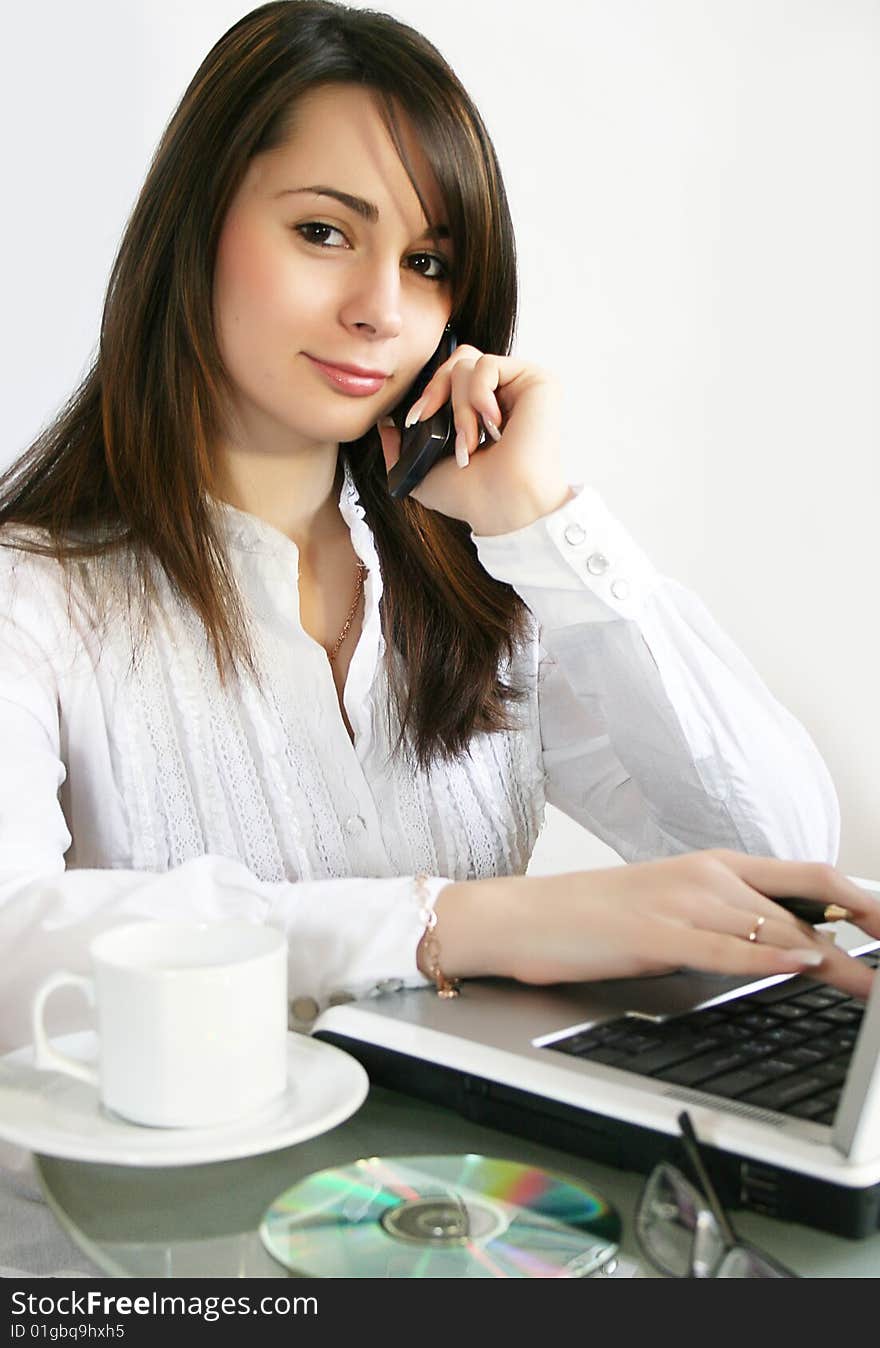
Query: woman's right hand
[{"x": 692, "y": 911}]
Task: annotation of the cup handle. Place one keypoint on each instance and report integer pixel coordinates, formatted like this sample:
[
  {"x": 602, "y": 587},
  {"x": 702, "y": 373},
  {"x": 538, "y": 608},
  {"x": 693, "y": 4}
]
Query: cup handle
[{"x": 46, "y": 1057}]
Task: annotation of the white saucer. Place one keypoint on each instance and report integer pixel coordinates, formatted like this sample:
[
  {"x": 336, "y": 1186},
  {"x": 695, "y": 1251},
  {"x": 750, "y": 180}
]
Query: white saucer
[{"x": 56, "y": 1115}]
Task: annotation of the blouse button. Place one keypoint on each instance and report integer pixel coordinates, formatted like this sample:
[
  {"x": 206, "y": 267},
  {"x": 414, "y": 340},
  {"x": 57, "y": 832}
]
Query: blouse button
[
  {"x": 574, "y": 534},
  {"x": 355, "y": 823},
  {"x": 597, "y": 563},
  {"x": 620, "y": 589}
]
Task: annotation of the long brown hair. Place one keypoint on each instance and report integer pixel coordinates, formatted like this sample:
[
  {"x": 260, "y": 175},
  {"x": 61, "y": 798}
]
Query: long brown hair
[{"x": 125, "y": 465}]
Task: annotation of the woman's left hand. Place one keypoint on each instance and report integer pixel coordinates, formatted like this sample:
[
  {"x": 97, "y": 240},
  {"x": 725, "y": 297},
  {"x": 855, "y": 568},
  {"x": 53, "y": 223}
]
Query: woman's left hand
[{"x": 514, "y": 476}]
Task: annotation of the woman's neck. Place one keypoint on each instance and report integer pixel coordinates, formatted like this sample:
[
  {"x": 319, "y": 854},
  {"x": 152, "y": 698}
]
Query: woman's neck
[{"x": 300, "y": 499}]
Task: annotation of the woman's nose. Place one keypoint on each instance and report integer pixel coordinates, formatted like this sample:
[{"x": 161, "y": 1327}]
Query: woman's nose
[{"x": 375, "y": 300}]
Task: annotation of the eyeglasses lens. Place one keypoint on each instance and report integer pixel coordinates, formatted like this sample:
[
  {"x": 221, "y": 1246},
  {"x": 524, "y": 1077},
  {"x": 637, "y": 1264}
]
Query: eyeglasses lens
[
  {"x": 677, "y": 1231},
  {"x": 672, "y": 1224}
]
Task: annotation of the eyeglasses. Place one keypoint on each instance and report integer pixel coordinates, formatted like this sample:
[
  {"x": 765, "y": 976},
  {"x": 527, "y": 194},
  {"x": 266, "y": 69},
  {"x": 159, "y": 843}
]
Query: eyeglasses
[{"x": 686, "y": 1233}]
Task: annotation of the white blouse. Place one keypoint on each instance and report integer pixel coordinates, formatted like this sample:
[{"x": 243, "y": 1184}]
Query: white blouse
[{"x": 146, "y": 789}]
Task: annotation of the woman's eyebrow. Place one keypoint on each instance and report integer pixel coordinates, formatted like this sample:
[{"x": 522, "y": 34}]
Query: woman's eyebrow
[{"x": 366, "y": 209}]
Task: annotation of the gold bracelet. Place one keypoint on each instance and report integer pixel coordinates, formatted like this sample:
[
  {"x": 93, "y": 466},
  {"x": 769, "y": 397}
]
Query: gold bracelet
[{"x": 446, "y": 987}]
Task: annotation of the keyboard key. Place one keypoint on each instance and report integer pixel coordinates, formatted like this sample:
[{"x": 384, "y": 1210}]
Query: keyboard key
[
  {"x": 707, "y": 1065},
  {"x": 843, "y": 1015},
  {"x": 813, "y": 1026},
  {"x": 673, "y": 1051},
  {"x": 836, "y": 995},
  {"x": 635, "y": 1043},
  {"x": 665, "y": 1054},
  {"x": 839, "y": 1041},
  {"x": 790, "y": 1011},
  {"x": 609, "y": 1057},
  {"x": 758, "y": 1020},
  {"x": 833, "y": 1071},
  {"x": 817, "y": 1000},
  {"x": 733, "y": 1032},
  {"x": 780, "y": 1094},
  {"x": 734, "y": 1084},
  {"x": 775, "y": 1067},
  {"x": 783, "y": 1036},
  {"x": 810, "y": 1108},
  {"x": 616, "y": 1030},
  {"x": 800, "y": 1055}
]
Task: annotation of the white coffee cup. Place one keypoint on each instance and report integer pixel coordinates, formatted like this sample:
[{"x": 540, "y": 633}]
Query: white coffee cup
[{"x": 192, "y": 1021}]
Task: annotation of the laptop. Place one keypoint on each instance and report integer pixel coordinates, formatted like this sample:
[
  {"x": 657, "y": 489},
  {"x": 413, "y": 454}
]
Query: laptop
[{"x": 781, "y": 1076}]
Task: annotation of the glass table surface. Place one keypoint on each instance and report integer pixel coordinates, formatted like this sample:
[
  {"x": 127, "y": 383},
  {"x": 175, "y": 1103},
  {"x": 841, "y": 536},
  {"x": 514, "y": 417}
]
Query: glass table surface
[{"x": 202, "y": 1221}]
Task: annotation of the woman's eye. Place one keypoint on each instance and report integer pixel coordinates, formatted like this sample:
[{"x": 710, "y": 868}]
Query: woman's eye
[
  {"x": 317, "y": 225},
  {"x": 438, "y": 262}
]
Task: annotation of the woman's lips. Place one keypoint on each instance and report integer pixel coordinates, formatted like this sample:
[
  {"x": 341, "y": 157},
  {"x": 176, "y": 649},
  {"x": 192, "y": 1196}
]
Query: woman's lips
[{"x": 357, "y": 385}]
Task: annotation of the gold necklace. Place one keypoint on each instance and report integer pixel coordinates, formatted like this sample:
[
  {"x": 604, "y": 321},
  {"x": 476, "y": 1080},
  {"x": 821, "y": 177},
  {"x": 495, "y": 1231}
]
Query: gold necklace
[{"x": 331, "y": 655}]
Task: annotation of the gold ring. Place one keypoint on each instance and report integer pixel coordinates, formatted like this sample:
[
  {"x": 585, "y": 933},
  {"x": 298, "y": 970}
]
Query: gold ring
[{"x": 759, "y": 922}]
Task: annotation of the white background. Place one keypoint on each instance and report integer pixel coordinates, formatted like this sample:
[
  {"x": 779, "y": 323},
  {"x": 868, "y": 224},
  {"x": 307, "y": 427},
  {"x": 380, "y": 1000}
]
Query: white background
[{"x": 694, "y": 186}]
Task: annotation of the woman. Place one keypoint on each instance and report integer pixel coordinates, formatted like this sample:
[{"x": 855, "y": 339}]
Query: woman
[{"x": 239, "y": 680}]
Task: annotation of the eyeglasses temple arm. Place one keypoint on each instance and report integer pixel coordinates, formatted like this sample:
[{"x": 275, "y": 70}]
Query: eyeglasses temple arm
[{"x": 692, "y": 1146}]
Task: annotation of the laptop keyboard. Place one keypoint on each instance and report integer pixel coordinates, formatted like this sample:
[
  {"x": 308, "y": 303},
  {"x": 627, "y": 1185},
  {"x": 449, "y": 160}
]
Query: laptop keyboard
[{"x": 784, "y": 1048}]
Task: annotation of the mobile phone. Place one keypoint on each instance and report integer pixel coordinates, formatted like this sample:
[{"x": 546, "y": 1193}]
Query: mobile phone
[{"x": 428, "y": 440}]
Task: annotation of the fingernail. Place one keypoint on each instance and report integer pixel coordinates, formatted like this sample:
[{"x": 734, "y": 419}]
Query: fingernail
[
  {"x": 492, "y": 428},
  {"x": 807, "y": 956},
  {"x": 462, "y": 457},
  {"x": 414, "y": 413}
]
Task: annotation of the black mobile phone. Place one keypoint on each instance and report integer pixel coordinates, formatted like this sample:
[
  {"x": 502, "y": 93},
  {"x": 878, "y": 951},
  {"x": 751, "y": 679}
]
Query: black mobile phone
[{"x": 424, "y": 443}]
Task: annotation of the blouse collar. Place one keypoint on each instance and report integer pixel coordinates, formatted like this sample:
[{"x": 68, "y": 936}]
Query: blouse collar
[{"x": 249, "y": 533}]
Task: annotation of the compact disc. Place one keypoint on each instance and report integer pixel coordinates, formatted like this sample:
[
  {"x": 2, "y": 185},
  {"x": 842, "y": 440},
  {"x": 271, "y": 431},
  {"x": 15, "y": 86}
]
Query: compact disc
[{"x": 440, "y": 1217}]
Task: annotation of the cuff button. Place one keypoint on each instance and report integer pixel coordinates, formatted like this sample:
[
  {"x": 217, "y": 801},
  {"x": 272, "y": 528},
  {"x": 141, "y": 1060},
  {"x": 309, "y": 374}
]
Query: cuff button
[
  {"x": 620, "y": 589},
  {"x": 597, "y": 564},
  {"x": 574, "y": 534},
  {"x": 304, "y": 1009}
]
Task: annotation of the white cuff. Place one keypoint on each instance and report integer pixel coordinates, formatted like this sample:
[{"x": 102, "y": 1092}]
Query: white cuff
[
  {"x": 578, "y": 549},
  {"x": 380, "y": 956}
]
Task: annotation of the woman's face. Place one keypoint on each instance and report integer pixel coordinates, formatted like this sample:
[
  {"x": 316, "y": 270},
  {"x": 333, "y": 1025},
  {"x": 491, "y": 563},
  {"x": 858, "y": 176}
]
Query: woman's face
[{"x": 303, "y": 277}]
